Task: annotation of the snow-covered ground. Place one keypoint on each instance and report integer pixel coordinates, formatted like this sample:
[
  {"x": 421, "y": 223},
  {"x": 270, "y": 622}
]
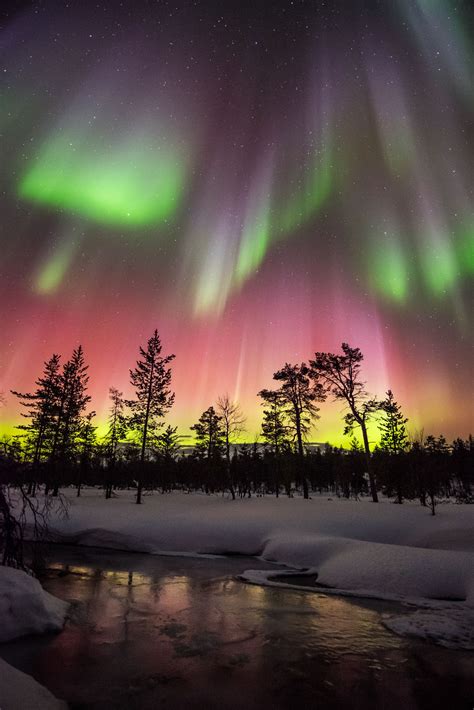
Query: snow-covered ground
[{"x": 382, "y": 550}]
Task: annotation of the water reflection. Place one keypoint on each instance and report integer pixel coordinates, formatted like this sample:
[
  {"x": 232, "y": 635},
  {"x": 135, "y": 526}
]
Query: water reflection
[{"x": 148, "y": 631}]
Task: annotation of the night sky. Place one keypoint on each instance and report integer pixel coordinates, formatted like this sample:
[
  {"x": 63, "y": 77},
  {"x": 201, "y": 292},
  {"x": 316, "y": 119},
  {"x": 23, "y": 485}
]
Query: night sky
[{"x": 258, "y": 180}]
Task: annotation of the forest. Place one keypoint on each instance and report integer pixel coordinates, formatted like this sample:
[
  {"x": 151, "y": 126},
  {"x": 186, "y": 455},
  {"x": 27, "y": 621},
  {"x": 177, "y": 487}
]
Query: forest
[{"x": 57, "y": 445}]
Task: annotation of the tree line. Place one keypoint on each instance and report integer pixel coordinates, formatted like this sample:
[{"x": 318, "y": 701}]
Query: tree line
[{"x": 58, "y": 443}]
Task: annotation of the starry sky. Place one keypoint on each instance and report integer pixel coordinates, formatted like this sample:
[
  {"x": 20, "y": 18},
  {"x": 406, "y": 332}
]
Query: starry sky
[{"x": 256, "y": 180}]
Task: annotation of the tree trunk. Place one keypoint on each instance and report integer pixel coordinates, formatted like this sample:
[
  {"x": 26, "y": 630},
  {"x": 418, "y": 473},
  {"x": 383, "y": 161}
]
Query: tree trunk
[
  {"x": 145, "y": 433},
  {"x": 301, "y": 454},
  {"x": 373, "y": 486},
  {"x": 139, "y": 491}
]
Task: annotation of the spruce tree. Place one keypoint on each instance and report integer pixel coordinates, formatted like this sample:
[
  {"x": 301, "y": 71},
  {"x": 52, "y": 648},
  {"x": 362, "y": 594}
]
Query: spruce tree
[
  {"x": 116, "y": 432},
  {"x": 42, "y": 412},
  {"x": 168, "y": 443},
  {"x": 86, "y": 441},
  {"x": 275, "y": 432},
  {"x": 151, "y": 379},
  {"x": 73, "y": 400},
  {"x": 209, "y": 434},
  {"x": 392, "y": 425},
  {"x": 436, "y": 452}
]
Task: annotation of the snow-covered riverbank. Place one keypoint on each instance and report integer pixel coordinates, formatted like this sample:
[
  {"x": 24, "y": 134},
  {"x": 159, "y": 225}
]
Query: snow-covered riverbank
[
  {"x": 381, "y": 549},
  {"x": 26, "y": 608},
  {"x": 359, "y": 548}
]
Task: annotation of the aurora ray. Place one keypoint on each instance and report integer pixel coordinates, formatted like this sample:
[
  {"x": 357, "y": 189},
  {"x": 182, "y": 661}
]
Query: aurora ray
[{"x": 272, "y": 184}]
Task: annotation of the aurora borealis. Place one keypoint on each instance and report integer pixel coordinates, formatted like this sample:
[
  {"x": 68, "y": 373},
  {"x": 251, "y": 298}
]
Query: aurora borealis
[{"x": 256, "y": 180}]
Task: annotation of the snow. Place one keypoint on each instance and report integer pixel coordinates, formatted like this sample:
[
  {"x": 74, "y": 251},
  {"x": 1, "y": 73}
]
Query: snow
[
  {"x": 25, "y": 608},
  {"x": 20, "y": 691},
  {"x": 384, "y": 548},
  {"x": 381, "y": 550},
  {"x": 452, "y": 628},
  {"x": 387, "y": 569}
]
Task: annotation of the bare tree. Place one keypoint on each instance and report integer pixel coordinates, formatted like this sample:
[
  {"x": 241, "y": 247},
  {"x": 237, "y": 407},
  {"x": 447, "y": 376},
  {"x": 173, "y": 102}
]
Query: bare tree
[
  {"x": 21, "y": 513},
  {"x": 233, "y": 425}
]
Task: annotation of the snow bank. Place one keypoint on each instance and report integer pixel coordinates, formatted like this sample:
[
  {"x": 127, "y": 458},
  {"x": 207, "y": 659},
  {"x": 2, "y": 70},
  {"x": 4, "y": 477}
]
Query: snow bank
[
  {"x": 381, "y": 549},
  {"x": 19, "y": 691},
  {"x": 25, "y": 608},
  {"x": 389, "y": 569}
]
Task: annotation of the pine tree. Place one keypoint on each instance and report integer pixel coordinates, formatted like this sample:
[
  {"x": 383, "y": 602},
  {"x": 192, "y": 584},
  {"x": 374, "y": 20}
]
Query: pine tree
[
  {"x": 209, "y": 435},
  {"x": 86, "y": 441},
  {"x": 151, "y": 379},
  {"x": 275, "y": 432},
  {"x": 73, "y": 400},
  {"x": 436, "y": 452},
  {"x": 42, "y": 406},
  {"x": 168, "y": 443},
  {"x": 117, "y": 421},
  {"x": 462, "y": 457},
  {"x": 298, "y": 397},
  {"x": 276, "y": 436},
  {"x": 392, "y": 425},
  {"x": 339, "y": 375},
  {"x": 167, "y": 446},
  {"x": 116, "y": 432}
]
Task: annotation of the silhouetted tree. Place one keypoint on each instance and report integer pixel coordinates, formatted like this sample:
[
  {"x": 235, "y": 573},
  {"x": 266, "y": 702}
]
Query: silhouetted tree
[
  {"x": 87, "y": 441},
  {"x": 209, "y": 435},
  {"x": 393, "y": 441},
  {"x": 275, "y": 432},
  {"x": 19, "y": 509},
  {"x": 151, "y": 379},
  {"x": 298, "y": 396},
  {"x": 116, "y": 432},
  {"x": 233, "y": 425},
  {"x": 436, "y": 449},
  {"x": 339, "y": 375},
  {"x": 276, "y": 436},
  {"x": 73, "y": 400},
  {"x": 463, "y": 467},
  {"x": 167, "y": 448},
  {"x": 392, "y": 425},
  {"x": 42, "y": 410},
  {"x": 168, "y": 443}
]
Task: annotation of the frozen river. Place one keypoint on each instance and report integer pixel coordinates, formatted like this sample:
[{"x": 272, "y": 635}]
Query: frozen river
[{"x": 149, "y": 632}]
